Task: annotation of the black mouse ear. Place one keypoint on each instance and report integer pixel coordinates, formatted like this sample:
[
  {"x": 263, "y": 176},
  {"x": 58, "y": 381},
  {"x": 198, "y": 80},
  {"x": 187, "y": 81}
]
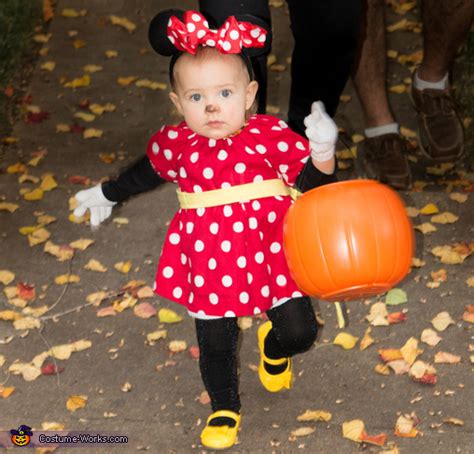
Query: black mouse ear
[
  {"x": 157, "y": 32},
  {"x": 256, "y": 51}
]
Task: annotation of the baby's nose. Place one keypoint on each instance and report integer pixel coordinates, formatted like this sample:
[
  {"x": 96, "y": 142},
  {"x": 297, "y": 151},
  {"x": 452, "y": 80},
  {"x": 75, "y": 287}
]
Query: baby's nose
[{"x": 211, "y": 108}]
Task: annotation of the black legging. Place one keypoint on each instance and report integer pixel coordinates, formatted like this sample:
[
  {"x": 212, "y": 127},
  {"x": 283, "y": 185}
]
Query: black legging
[
  {"x": 325, "y": 34},
  {"x": 294, "y": 330}
]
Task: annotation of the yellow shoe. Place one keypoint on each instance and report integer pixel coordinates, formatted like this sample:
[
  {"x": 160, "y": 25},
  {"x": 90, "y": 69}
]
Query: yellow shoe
[
  {"x": 220, "y": 437},
  {"x": 272, "y": 382}
]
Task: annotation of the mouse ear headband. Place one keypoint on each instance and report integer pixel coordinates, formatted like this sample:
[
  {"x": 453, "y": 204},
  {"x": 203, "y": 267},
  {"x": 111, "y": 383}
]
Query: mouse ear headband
[{"x": 173, "y": 32}]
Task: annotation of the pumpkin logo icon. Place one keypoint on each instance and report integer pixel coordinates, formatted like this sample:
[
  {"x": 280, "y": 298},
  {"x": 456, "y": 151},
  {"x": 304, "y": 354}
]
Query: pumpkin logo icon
[{"x": 22, "y": 436}]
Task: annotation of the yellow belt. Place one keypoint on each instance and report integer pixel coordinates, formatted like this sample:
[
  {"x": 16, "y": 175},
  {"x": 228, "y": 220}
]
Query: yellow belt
[{"x": 239, "y": 193}]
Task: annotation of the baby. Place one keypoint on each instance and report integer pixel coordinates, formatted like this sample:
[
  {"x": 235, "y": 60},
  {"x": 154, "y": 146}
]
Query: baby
[{"x": 223, "y": 256}]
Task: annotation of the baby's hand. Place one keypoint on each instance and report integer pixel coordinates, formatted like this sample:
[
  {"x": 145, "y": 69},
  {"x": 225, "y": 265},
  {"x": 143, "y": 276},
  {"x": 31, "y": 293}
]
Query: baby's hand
[
  {"x": 321, "y": 132},
  {"x": 93, "y": 199}
]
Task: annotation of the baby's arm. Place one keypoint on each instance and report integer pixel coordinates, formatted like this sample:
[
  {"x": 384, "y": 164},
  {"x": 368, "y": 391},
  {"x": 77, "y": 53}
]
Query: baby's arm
[{"x": 100, "y": 199}]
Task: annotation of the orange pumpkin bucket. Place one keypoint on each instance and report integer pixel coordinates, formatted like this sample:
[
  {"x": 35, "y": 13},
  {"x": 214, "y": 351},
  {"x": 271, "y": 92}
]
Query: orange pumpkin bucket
[{"x": 348, "y": 240}]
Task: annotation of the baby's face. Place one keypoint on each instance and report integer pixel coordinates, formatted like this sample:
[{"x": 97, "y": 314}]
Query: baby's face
[{"x": 213, "y": 94}]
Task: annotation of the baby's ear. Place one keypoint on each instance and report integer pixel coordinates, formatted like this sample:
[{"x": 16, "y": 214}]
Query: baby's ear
[
  {"x": 251, "y": 93},
  {"x": 157, "y": 32},
  {"x": 175, "y": 100}
]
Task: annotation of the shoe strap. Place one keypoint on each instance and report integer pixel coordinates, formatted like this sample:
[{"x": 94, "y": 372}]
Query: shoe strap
[
  {"x": 276, "y": 362},
  {"x": 225, "y": 414}
]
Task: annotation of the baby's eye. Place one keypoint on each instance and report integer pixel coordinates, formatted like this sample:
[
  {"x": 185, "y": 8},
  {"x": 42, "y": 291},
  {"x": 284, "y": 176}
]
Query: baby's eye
[
  {"x": 226, "y": 93},
  {"x": 195, "y": 97}
]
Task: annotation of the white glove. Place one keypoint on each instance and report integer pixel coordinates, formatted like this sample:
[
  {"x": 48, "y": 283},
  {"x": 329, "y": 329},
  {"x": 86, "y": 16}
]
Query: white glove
[
  {"x": 93, "y": 199},
  {"x": 321, "y": 132}
]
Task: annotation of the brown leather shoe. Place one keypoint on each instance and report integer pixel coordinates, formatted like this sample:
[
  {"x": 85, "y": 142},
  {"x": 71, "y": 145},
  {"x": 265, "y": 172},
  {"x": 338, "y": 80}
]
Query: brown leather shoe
[
  {"x": 440, "y": 133},
  {"x": 385, "y": 160}
]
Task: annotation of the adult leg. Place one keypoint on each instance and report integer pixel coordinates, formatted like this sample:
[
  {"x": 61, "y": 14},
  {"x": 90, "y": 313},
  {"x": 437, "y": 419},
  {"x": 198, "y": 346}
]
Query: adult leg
[
  {"x": 384, "y": 148},
  {"x": 220, "y": 10},
  {"x": 445, "y": 26},
  {"x": 325, "y": 34},
  {"x": 217, "y": 340}
]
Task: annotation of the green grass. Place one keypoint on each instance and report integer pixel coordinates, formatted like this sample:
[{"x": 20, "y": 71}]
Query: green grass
[{"x": 18, "y": 19}]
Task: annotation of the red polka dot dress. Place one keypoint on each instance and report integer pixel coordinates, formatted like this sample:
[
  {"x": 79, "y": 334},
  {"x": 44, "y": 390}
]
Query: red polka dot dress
[{"x": 227, "y": 260}]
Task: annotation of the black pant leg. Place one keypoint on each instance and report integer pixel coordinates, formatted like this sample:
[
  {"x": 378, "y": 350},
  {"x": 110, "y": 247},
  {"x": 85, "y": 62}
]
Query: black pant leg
[
  {"x": 325, "y": 34},
  {"x": 294, "y": 328},
  {"x": 220, "y": 10},
  {"x": 217, "y": 340}
]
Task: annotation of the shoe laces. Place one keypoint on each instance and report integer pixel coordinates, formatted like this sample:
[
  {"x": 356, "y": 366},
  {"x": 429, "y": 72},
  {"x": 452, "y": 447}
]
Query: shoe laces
[
  {"x": 435, "y": 102},
  {"x": 389, "y": 146}
]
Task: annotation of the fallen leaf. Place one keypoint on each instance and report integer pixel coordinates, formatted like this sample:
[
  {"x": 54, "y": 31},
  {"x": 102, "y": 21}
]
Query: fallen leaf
[
  {"x": 6, "y": 277},
  {"x": 48, "y": 183},
  {"x": 61, "y": 252},
  {"x": 27, "y": 323},
  {"x": 111, "y": 53},
  {"x": 123, "y": 267},
  {"x": 378, "y": 314},
  {"x": 6, "y": 391},
  {"x": 28, "y": 371},
  {"x": 399, "y": 88},
  {"x": 430, "y": 208},
  {"x": 377, "y": 440},
  {"x": 353, "y": 430},
  {"x": 95, "y": 265},
  {"x": 106, "y": 311},
  {"x": 123, "y": 22},
  {"x": 423, "y": 372},
  {"x": 382, "y": 369},
  {"x": 11, "y": 207},
  {"x": 404, "y": 427},
  {"x": 390, "y": 354},
  {"x": 442, "y": 321},
  {"x": 439, "y": 276},
  {"x": 75, "y": 402},
  {"x": 51, "y": 369},
  {"x": 446, "y": 358},
  {"x": 367, "y": 340},
  {"x": 82, "y": 243},
  {"x": 83, "y": 81},
  {"x": 454, "y": 421},
  {"x": 412, "y": 212},
  {"x": 66, "y": 278},
  {"x": 399, "y": 366},
  {"x": 91, "y": 133},
  {"x": 302, "y": 431},
  {"x": 126, "y": 81},
  {"x": 458, "y": 197},
  {"x": 145, "y": 292},
  {"x": 39, "y": 236},
  {"x": 144, "y": 310},
  {"x": 345, "y": 340},
  {"x": 430, "y": 337},
  {"x": 34, "y": 195},
  {"x": 395, "y": 297},
  {"x": 425, "y": 228},
  {"x": 156, "y": 335},
  {"x": 145, "y": 83},
  {"x": 177, "y": 346},
  {"x": 410, "y": 350},
  {"x": 444, "y": 218},
  {"x": 396, "y": 317},
  {"x": 448, "y": 255},
  {"x": 85, "y": 116},
  {"x": 314, "y": 415},
  {"x": 168, "y": 316}
]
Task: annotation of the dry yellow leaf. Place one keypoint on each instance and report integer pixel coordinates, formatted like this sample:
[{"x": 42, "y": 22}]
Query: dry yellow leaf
[
  {"x": 367, "y": 340},
  {"x": 9, "y": 315},
  {"x": 111, "y": 53},
  {"x": 440, "y": 169},
  {"x": 18, "y": 302},
  {"x": 6, "y": 391},
  {"x": 442, "y": 321},
  {"x": 392, "y": 53},
  {"x": 145, "y": 83},
  {"x": 448, "y": 255},
  {"x": 91, "y": 133},
  {"x": 429, "y": 208},
  {"x": 48, "y": 183},
  {"x": 444, "y": 218},
  {"x": 27, "y": 370},
  {"x": 420, "y": 368},
  {"x": 378, "y": 314},
  {"x": 16, "y": 168},
  {"x": 95, "y": 265},
  {"x": 404, "y": 425},
  {"x": 382, "y": 369},
  {"x": 82, "y": 243},
  {"x": 96, "y": 298},
  {"x": 6, "y": 277},
  {"x": 123, "y": 267},
  {"x": 63, "y": 127},
  {"x": 177, "y": 346},
  {"x": 42, "y": 38},
  {"x": 156, "y": 335},
  {"x": 425, "y": 228},
  {"x": 470, "y": 281},
  {"x": 75, "y": 402},
  {"x": 410, "y": 350},
  {"x": 345, "y": 98},
  {"x": 38, "y": 236},
  {"x": 92, "y": 68},
  {"x": 353, "y": 430},
  {"x": 406, "y": 132},
  {"x": 430, "y": 337},
  {"x": 168, "y": 316},
  {"x": 458, "y": 197},
  {"x": 36, "y": 311},
  {"x": 11, "y": 207},
  {"x": 315, "y": 415},
  {"x": 83, "y": 81},
  {"x": 85, "y": 116},
  {"x": 125, "y": 81},
  {"x": 79, "y": 43},
  {"x": 48, "y": 66},
  {"x": 71, "y": 12},
  {"x": 345, "y": 340},
  {"x": 446, "y": 358},
  {"x": 123, "y": 22},
  {"x": 455, "y": 421},
  {"x": 34, "y": 195},
  {"x": 66, "y": 278},
  {"x": 412, "y": 212},
  {"x": 62, "y": 253},
  {"x": 302, "y": 431},
  {"x": 27, "y": 323},
  {"x": 417, "y": 263},
  {"x": 399, "y": 88}
]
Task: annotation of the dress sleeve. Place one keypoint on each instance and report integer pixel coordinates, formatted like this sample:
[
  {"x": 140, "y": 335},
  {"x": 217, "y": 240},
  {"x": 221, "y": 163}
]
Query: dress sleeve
[
  {"x": 288, "y": 152},
  {"x": 163, "y": 151}
]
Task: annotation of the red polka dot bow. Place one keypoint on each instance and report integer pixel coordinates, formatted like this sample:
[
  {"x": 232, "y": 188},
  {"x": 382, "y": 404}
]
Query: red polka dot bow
[{"x": 228, "y": 39}]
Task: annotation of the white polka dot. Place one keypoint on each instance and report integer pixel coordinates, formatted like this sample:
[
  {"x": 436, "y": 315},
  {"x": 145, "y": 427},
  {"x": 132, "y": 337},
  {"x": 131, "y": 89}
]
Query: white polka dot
[
  {"x": 265, "y": 290},
  {"x": 227, "y": 211},
  {"x": 155, "y": 148},
  {"x": 261, "y": 148},
  {"x": 172, "y": 134},
  {"x": 197, "y": 188},
  {"x": 296, "y": 294},
  {"x": 271, "y": 216},
  {"x": 194, "y": 143},
  {"x": 255, "y": 33},
  {"x": 174, "y": 238},
  {"x": 269, "y": 269},
  {"x": 213, "y": 298},
  {"x": 281, "y": 280},
  {"x": 253, "y": 224},
  {"x": 198, "y": 281},
  {"x": 255, "y": 131},
  {"x": 259, "y": 257},
  {"x": 200, "y": 212},
  {"x": 212, "y": 142},
  {"x": 196, "y": 17},
  {"x": 191, "y": 27},
  {"x": 206, "y": 24},
  {"x": 182, "y": 172},
  {"x": 276, "y": 128},
  {"x": 208, "y": 173},
  {"x": 168, "y": 271},
  {"x": 229, "y": 314},
  {"x": 257, "y": 178},
  {"x": 300, "y": 145},
  {"x": 226, "y": 46},
  {"x": 225, "y": 246},
  {"x": 194, "y": 157},
  {"x": 257, "y": 311},
  {"x": 283, "y": 168},
  {"x": 240, "y": 167},
  {"x": 275, "y": 247},
  {"x": 249, "y": 278},
  {"x": 282, "y": 146},
  {"x": 261, "y": 38},
  {"x": 256, "y": 205},
  {"x": 201, "y": 313},
  {"x": 214, "y": 228},
  {"x": 234, "y": 34},
  {"x": 191, "y": 298},
  {"x": 170, "y": 22},
  {"x": 189, "y": 227},
  {"x": 178, "y": 292},
  {"x": 171, "y": 39},
  {"x": 184, "y": 259},
  {"x": 199, "y": 246},
  {"x": 249, "y": 150},
  {"x": 211, "y": 42},
  {"x": 154, "y": 286},
  {"x": 241, "y": 262},
  {"x": 168, "y": 154},
  {"x": 226, "y": 184},
  {"x": 172, "y": 174},
  {"x": 222, "y": 155},
  {"x": 226, "y": 281},
  {"x": 244, "y": 298},
  {"x": 282, "y": 124},
  {"x": 212, "y": 264},
  {"x": 238, "y": 227}
]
